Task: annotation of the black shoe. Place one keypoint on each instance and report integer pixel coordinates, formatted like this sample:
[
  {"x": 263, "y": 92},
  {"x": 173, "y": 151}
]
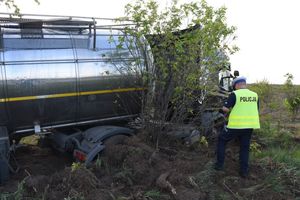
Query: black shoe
[
  {"x": 243, "y": 174},
  {"x": 217, "y": 167}
]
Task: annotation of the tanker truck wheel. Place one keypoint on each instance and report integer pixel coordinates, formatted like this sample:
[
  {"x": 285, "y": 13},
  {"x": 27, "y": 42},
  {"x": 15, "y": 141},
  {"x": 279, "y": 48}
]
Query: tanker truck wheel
[
  {"x": 4, "y": 155},
  {"x": 115, "y": 140},
  {"x": 111, "y": 141}
]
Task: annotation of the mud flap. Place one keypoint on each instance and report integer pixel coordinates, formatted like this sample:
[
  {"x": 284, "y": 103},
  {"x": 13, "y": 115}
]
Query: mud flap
[
  {"x": 93, "y": 153},
  {"x": 4, "y": 155}
]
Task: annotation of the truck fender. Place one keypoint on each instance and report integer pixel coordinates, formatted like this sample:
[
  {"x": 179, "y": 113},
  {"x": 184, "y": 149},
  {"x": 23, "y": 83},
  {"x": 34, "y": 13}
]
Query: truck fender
[
  {"x": 93, "y": 153},
  {"x": 100, "y": 133},
  {"x": 94, "y": 139}
]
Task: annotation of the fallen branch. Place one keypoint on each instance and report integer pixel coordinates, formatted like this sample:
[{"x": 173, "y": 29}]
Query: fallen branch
[
  {"x": 236, "y": 196},
  {"x": 254, "y": 189},
  {"x": 192, "y": 181},
  {"x": 163, "y": 183}
]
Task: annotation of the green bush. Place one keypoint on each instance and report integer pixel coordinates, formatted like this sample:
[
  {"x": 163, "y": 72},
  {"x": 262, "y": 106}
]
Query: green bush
[
  {"x": 267, "y": 130},
  {"x": 264, "y": 91},
  {"x": 292, "y": 99}
]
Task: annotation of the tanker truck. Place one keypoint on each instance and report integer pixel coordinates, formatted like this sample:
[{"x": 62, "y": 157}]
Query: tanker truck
[{"x": 57, "y": 72}]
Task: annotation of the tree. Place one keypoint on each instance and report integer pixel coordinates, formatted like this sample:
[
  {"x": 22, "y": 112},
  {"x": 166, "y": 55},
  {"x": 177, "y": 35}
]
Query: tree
[
  {"x": 292, "y": 99},
  {"x": 189, "y": 44},
  {"x": 10, "y": 4}
]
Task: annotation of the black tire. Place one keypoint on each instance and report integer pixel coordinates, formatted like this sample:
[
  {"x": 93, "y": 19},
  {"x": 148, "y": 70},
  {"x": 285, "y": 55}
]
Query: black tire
[
  {"x": 108, "y": 154},
  {"x": 113, "y": 140},
  {"x": 44, "y": 142},
  {"x": 4, "y": 155}
]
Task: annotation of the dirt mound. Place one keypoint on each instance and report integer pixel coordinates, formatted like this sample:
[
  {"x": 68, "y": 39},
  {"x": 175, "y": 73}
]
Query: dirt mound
[
  {"x": 138, "y": 170},
  {"x": 77, "y": 179}
]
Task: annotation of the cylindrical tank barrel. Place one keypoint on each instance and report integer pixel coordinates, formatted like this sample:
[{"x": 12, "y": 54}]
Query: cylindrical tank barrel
[{"x": 56, "y": 77}]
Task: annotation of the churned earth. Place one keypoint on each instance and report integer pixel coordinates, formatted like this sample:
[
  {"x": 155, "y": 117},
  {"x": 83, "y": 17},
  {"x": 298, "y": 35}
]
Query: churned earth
[{"x": 137, "y": 170}]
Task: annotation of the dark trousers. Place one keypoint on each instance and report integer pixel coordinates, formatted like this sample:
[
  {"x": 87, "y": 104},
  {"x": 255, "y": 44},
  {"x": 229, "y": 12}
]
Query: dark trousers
[{"x": 244, "y": 136}]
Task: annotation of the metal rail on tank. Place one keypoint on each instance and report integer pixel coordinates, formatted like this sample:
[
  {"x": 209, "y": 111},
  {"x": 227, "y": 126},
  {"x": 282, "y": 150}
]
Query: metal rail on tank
[{"x": 60, "y": 71}]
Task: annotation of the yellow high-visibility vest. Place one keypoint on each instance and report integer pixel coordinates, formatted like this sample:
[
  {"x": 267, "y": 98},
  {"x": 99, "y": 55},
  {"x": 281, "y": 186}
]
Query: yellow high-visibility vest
[{"x": 244, "y": 113}]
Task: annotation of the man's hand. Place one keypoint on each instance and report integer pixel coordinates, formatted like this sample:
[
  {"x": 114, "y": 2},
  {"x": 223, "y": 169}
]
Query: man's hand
[{"x": 225, "y": 109}]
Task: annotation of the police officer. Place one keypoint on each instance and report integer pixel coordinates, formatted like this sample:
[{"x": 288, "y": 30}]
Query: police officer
[{"x": 242, "y": 106}]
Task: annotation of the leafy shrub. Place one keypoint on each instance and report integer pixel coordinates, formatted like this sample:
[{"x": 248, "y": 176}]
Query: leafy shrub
[
  {"x": 264, "y": 91},
  {"x": 292, "y": 99},
  {"x": 255, "y": 148}
]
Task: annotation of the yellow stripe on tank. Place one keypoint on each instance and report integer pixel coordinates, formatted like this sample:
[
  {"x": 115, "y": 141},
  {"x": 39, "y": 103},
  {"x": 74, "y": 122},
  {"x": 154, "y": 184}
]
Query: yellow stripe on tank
[{"x": 71, "y": 94}]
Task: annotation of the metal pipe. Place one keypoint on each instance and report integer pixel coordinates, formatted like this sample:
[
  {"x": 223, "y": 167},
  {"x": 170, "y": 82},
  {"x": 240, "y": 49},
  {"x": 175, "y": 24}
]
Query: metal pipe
[
  {"x": 79, "y": 123},
  {"x": 66, "y": 27},
  {"x": 26, "y": 62},
  {"x": 43, "y": 15},
  {"x": 95, "y": 35}
]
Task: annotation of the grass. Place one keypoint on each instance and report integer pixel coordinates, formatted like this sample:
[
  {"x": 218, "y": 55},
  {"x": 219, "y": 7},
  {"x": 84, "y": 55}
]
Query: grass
[
  {"x": 79, "y": 197},
  {"x": 279, "y": 154},
  {"x": 282, "y": 169},
  {"x": 274, "y": 181},
  {"x": 152, "y": 194},
  {"x": 279, "y": 145},
  {"x": 17, "y": 195},
  {"x": 291, "y": 157}
]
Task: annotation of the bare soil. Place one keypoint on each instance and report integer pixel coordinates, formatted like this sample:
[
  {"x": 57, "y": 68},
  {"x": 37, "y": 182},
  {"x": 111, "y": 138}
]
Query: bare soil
[{"x": 136, "y": 170}]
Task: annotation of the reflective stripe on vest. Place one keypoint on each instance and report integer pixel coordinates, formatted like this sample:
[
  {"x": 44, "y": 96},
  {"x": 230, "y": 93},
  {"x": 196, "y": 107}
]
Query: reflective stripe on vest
[{"x": 244, "y": 113}]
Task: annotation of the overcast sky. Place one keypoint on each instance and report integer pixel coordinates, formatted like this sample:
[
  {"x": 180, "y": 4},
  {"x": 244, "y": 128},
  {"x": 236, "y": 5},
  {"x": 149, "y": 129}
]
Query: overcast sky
[{"x": 268, "y": 30}]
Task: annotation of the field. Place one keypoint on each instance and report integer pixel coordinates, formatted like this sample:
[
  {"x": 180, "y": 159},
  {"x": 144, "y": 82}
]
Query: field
[{"x": 136, "y": 170}]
